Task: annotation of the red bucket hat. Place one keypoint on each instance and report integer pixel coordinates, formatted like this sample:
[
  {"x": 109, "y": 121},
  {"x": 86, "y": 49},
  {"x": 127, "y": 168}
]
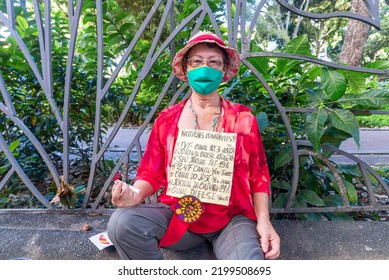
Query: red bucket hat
[{"x": 206, "y": 37}]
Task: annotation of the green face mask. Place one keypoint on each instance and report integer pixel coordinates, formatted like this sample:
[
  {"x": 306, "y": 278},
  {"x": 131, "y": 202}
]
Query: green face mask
[{"x": 204, "y": 79}]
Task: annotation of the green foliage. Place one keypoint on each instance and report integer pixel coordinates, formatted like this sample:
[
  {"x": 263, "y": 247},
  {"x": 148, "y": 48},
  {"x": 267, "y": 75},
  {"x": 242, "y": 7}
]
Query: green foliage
[{"x": 298, "y": 84}]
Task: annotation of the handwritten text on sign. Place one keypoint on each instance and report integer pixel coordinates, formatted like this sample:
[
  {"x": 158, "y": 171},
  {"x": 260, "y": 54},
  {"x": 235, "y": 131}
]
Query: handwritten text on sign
[{"x": 202, "y": 165}]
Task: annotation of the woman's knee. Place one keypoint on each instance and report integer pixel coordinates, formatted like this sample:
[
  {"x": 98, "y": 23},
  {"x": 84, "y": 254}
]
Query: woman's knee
[
  {"x": 238, "y": 240},
  {"x": 120, "y": 223}
]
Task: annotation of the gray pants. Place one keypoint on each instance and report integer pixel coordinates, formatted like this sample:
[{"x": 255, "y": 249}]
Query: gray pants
[{"x": 136, "y": 232}]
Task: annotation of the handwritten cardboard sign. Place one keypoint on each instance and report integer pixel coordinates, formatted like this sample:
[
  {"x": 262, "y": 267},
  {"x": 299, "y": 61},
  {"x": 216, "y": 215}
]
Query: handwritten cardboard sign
[{"x": 202, "y": 166}]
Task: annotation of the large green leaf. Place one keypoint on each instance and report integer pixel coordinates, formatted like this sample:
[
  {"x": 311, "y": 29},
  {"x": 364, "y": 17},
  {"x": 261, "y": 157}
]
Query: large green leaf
[
  {"x": 89, "y": 5},
  {"x": 371, "y": 99},
  {"x": 262, "y": 120},
  {"x": 334, "y": 136},
  {"x": 356, "y": 81},
  {"x": 111, "y": 28},
  {"x": 310, "y": 75},
  {"x": 333, "y": 200},
  {"x": 312, "y": 183},
  {"x": 115, "y": 40},
  {"x": 339, "y": 217},
  {"x": 314, "y": 217},
  {"x": 379, "y": 64},
  {"x": 4, "y": 168},
  {"x": 350, "y": 189},
  {"x": 334, "y": 83},
  {"x": 280, "y": 184},
  {"x": 315, "y": 127},
  {"x": 261, "y": 64},
  {"x": 311, "y": 197},
  {"x": 22, "y": 22},
  {"x": 283, "y": 157},
  {"x": 299, "y": 45},
  {"x": 281, "y": 200},
  {"x": 14, "y": 145},
  {"x": 345, "y": 120}
]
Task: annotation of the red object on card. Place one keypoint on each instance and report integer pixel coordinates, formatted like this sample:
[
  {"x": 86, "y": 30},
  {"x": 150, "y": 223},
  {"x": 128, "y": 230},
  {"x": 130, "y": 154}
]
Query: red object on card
[{"x": 103, "y": 240}]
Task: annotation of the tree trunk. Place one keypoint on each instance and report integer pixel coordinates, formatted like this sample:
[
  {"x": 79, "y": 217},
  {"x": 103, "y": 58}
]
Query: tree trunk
[{"x": 356, "y": 36}]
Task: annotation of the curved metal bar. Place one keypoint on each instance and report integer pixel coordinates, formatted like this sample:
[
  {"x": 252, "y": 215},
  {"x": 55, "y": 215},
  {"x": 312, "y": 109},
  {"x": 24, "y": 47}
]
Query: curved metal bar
[
  {"x": 317, "y": 61},
  {"x": 6, "y": 97},
  {"x": 130, "y": 147},
  {"x": 7, "y": 176},
  {"x": 129, "y": 102},
  {"x": 22, "y": 175},
  {"x": 34, "y": 141},
  {"x": 97, "y": 154},
  {"x": 356, "y": 112},
  {"x": 120, "y": 65},
  {"x": 361, "y": 163},
  {"x": 289, "y": 131},
  {"x": 130, "y": 47},
  {"x": 338, "y": 179},
  {"x": 374, "y": 21}
]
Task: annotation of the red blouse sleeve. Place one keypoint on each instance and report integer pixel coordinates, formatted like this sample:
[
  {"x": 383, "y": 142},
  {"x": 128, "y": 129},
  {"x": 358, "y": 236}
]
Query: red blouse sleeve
[
  {"x": 259, "y": 171},
  {"x": 152, "y": 165}
]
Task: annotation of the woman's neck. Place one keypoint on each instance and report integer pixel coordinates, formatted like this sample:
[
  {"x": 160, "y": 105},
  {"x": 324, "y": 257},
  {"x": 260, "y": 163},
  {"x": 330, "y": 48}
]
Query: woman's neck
[{"x": 206, "y": 101}]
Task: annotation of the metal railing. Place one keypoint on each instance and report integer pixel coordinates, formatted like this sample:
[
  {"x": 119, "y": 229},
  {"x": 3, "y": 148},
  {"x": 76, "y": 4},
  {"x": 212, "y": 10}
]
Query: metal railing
[{"x": 238, "y": 28}]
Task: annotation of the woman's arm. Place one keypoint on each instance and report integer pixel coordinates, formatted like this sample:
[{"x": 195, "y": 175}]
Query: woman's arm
[{"x": 270, "y": 241}]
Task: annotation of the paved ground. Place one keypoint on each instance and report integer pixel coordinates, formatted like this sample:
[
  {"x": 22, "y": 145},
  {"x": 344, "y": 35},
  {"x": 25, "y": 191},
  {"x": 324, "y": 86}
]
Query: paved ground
[{"x": 59, "y": 237}]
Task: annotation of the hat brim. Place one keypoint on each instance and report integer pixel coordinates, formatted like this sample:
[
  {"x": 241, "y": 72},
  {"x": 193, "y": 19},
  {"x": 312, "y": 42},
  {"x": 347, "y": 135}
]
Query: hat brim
[{"x": 230, "y": 71}]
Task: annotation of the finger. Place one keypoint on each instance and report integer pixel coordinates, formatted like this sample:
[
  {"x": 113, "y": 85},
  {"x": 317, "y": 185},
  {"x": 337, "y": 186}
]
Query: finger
[
  {"x": 264, "y": 244},
  {"x": 274, "y": 250},
  {"x": 272, "y": 254},
  {"x": 125, "y": 191},
  {"x": 116, "y": 190}
]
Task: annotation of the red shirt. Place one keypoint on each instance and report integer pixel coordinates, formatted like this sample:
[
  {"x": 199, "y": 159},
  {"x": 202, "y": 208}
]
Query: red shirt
[{"x": 250, "y": 174}]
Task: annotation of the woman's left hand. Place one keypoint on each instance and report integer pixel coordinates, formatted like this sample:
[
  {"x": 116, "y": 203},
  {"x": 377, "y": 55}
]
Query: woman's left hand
[{"x": 270, "y": 241}]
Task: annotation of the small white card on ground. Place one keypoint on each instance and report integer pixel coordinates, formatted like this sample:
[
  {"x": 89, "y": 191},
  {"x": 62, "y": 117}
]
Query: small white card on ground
[{"x": 101, "y": 240}]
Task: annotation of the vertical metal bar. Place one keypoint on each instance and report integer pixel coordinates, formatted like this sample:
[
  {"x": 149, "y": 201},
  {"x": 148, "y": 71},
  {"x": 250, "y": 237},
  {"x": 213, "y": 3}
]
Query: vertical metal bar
[
  {"x": 116, "y": 72},
  {"x": 74, "y": 19},
  {"x": 235, "y": 26},
  {"x": 99, "y": 96},
  {"x": 11, "y": 14},
  {"x": 44, "y": 32},
  {"x": 173, "y": 43},
  {"x": 229, "y": 21},
  {"x": 246, "y": 45},
  {"x": 242, "y": 24}
]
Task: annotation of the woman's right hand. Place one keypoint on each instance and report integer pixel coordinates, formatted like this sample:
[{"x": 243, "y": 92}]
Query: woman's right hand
[{"x": 123, "y": 196}]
